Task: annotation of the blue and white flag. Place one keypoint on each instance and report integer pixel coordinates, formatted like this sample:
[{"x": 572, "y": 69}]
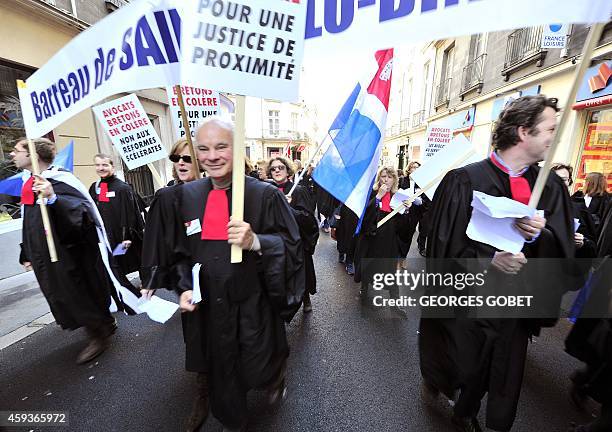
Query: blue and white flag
[{"x": 348, "y": 167}]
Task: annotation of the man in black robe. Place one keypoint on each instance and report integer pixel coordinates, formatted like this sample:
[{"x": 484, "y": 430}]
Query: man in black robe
[
  {"x": 476, "y": 356},
  {"x": 77, "y": 286},
  {"x": 121, "y": 213},
  {"x": 242, "y": 333}
]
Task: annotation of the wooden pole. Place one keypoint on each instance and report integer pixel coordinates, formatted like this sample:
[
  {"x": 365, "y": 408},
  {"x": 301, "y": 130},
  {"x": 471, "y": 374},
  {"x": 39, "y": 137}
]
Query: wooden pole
[
  {"x": 156, "y": 175},
  {"x": 428, "y": 186},
  {"x": 238, "y": 172},
  {"x": 585, "y": 57},
  {"x": 43, "y": 207},
  {"x": 195, "y": 166}
]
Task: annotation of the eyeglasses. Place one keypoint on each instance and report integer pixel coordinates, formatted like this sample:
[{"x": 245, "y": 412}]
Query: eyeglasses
[
  {"x": 175, "y": 158},
  {"x": 278, "y": 168}
]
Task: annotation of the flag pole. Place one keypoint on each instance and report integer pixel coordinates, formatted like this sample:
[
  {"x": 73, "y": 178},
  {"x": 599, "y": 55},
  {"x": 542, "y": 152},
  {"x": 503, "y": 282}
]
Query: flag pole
[
  {"x": 238, "y": 172},
  {"x": 428, "y": 185},
  {"x": 306, "y": 165},
  {"x": 592, "y": 40},
  {"x": 195, "y": 166},
  {"x": 43, "y": 206}
]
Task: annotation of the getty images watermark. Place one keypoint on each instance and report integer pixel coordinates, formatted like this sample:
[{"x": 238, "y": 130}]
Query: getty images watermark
[{"x": 416, "y": 282}]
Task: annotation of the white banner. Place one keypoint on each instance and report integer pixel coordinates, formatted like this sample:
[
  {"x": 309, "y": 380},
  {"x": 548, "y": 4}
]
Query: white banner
[
  {"x": 336, "y": 26},
  {"x": 258, "y": 53},
  {"x": 247, "y": 47},
  {"x": 128, "y": 126},
  {"x": 133, "y": 48},
  {"x": 199, "y": 104}
]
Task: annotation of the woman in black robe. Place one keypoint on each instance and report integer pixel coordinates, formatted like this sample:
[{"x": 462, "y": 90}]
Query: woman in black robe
[
  {"x": 593, "y": 199},
  {"x": 378, "y": 249},
  {"x": 302, "y": 205}
]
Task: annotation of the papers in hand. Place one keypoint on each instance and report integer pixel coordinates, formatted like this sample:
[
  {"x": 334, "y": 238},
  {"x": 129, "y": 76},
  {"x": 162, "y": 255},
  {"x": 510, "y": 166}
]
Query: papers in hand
[
  {"x": 493, "y": 221},
  {"x": 196, "y": 297},
  {"x": 158, "y": 309},
  {"x": 398, "y": 200},
  {"x": 120, "y": 249}
]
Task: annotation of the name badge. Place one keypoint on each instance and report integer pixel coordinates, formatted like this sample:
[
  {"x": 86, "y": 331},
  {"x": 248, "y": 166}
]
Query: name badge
[
  {"x": 110, "y": 194},
  {"x": 193, "y": 227}
]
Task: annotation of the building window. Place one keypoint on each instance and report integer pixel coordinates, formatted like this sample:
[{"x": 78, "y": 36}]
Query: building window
[
  {"x": 443, "y": 89},
  {"x": 426, "y": 86},
  {"x": 294, "y": 122},
  {"x": 11, "y": 128},
  {"x": 596, "y": 154},
  {"x": 273, "y": 122}
]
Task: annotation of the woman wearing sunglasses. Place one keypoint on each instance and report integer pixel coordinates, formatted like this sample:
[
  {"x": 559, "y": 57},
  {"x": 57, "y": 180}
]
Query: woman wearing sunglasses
[
  {"x": 182, "y": 171},
  {"x": 280, "y": 170}
]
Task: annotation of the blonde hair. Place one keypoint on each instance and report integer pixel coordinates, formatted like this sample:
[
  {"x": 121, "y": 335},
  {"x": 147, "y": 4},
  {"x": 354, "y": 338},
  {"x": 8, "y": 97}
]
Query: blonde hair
[
  {"x": 595, "y": 184},
  {"x": 176, "y": 149},
  {"x": 391, "y": 172}
]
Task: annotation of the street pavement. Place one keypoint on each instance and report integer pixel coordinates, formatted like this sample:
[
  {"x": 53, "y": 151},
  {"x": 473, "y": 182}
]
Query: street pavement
[{"x": 349, "y": 370}]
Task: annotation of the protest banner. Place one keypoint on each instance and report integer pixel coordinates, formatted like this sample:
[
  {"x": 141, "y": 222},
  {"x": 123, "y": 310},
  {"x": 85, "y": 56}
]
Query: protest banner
[
  {"x": 333, "y": 26},
  {"x": 247, "y": 47},
  {"x": 440, "y": 133},
  {"x": 199, "y": 104},
  {"x": 128, "y": 126}
]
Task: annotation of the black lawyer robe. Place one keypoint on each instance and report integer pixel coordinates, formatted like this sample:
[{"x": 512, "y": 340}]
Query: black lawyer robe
[
  {"x": 346, "y": 236},
  {"x": 242, "y": 336},
  {"x": 374, "y": 242},
  {"x": 123, "y": 221},
  {"x": 486, "y": 355},
  {"x": 77, "y": 286},
  {"x": 303, "y": 208}
]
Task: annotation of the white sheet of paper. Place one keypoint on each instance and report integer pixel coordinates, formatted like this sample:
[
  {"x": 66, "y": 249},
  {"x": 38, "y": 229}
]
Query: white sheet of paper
[
  {"x": 158, "y": 309},
  {"x": 493, "y": 220},
  {"x": 197, "y": 293},
  {"x": 398, "y": 199},
  {"x": 576, "y": 224},
  {"x": 119, "y": 250},
  {"x": 458, "y": 148},
  {"x": 500, "y": 207},
  {"x": 497, "y": 232}
]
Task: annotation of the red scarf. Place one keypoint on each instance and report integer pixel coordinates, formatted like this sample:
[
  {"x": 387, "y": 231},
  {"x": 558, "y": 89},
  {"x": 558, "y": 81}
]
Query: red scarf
[
  {"x": 216, "y": 216},
  {"x": 282, "y": 187},
  {"x": 386, "y": 203},
  {"x": 103, "y": 191},
  {"x": 519, "y": 186},
  {"x": 27, "y": 194}
]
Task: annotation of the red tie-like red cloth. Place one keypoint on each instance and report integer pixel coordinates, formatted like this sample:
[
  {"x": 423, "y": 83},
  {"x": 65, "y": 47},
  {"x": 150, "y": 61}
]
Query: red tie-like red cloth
[
  {"x": 103, "y": 191},
  {"x": 216, "y": 216},
  {"x": 282, "y": 187},
  {"x": 27, "y": 194},
  {"x": 386, "y": 203},
  {"x": 519, "y": 186}
]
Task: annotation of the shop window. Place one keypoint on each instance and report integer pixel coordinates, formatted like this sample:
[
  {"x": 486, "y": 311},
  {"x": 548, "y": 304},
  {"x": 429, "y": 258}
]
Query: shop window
[
  {"x": 11, "y": 128},
  {"x": 596, "y": 154}
]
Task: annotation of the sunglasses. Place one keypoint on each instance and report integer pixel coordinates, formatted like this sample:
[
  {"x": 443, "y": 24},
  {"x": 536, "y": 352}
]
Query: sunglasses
[
  {"x": 175, "y": 158},
  {"x": 277, "y": 168}
]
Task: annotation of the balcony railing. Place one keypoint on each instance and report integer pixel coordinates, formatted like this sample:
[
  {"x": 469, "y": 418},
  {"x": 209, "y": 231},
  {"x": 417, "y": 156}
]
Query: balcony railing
[
  {"x": 418, "y": 118},
  {"x": 282, "y": 134},
  {"x": 473, "y": 75},
  {"x": 443, "y": 92},
  {"x": 523, "y": 47},
  {"x": 398, "y": 128}
]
